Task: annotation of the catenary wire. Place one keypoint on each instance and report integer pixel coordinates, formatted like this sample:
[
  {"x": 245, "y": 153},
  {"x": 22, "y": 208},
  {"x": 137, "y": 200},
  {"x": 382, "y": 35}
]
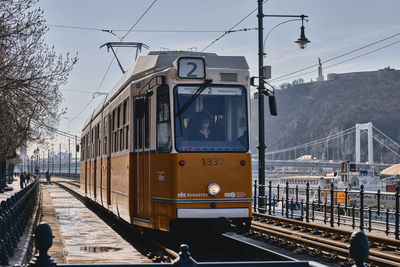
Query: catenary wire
[
  {"x": 229, "y": 31},
  {"x": 112, "y": 60},
  {"x": 141, "y": 30},
  {"x": 347, "y": 60},
  {"x": 336, "y": 57}
]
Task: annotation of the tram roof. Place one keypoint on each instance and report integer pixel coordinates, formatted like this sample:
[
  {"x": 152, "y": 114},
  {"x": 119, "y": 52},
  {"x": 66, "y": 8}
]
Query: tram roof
[{"x": 158, "y": 60}]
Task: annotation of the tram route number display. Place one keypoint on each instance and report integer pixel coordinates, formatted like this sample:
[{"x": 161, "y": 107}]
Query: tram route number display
[
  {"x": 212, "y": 161},
  {"x": 191, "y": 67}
]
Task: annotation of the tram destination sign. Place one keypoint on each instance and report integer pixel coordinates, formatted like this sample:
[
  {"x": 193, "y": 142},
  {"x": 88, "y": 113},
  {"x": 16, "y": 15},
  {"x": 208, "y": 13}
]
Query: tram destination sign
[{"x": 190, "y": 90}]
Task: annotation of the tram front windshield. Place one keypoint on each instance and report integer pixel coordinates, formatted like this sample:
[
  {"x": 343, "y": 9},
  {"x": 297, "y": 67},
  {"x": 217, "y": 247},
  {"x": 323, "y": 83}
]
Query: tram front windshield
[{"x": 214, "y": 121}]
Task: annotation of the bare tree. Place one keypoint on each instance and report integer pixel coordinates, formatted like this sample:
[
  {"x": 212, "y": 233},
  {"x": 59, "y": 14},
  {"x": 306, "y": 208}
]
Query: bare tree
[{"x": 30, "y": 76}]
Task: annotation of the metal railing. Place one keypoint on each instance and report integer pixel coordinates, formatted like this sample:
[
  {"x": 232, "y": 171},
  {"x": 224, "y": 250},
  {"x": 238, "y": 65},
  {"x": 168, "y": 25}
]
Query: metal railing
[
  {"x": 366, "y": 210},
  {"x": 15, "y": 213},
  {"x": 44, "y": 236}
]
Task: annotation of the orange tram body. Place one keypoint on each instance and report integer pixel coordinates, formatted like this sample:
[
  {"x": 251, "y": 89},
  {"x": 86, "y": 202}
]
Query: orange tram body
[{"x": 144, "y": 153}]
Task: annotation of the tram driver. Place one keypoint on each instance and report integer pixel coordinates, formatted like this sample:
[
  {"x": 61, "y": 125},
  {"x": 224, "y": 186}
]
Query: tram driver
[{"x": 203, "y": 132}]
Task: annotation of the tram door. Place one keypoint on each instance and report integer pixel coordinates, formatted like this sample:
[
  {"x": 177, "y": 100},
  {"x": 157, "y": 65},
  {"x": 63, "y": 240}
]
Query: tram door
[{"x": 142, "y": 159}]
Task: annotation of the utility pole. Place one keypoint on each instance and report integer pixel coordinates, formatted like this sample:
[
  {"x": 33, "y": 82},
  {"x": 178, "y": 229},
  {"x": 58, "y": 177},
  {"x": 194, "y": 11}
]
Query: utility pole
[
  {"x": 60, "y": 160},
  {"x": 38, "y": 157},
  {"x": 52, "y": 161},
  {"x": 261, "y": 88},
  {"x": 48, "y": 160},
  {"x": 302, "y": 42},
  {"x": 69, "y": 158},
  {"x": 76, "y": 157}
]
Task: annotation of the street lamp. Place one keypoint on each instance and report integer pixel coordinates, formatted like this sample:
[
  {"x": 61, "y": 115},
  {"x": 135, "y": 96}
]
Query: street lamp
[{"x": 302, "y": 42}]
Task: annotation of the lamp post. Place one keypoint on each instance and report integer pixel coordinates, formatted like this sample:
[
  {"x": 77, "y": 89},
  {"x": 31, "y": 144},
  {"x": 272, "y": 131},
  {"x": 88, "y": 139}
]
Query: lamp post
[
  {"x": 32, "y": 163},
  {"x": 302, "y": 42}
]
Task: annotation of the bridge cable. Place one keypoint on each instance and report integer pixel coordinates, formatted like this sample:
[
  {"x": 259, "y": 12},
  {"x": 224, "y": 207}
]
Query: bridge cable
[
  {"x": 322, "y": 140},
  {"x": 397, "y": 144},
  {"x": 316, "y": 142},
  {"x": 376, "y": 139}
]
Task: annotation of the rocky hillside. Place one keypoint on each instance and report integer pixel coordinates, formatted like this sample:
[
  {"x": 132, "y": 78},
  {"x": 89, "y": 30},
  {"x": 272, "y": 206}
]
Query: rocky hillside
[{"x": 311, "y": 111}]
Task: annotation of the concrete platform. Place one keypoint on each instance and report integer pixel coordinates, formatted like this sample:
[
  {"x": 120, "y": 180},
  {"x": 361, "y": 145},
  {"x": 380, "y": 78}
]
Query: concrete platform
[{"x": 80, "y": 237}]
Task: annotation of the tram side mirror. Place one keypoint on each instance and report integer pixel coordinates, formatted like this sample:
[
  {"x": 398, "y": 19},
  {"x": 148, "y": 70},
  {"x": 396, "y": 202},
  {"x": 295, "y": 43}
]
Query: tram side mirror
[
  {"x": 272, "y": 105},
  {"x": 148, "y": 93},
  {"x": 139, "y": 107}
]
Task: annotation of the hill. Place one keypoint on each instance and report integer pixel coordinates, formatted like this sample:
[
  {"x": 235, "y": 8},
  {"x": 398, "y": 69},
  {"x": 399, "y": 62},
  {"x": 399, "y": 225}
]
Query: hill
[{"x": 310, "y": 111}]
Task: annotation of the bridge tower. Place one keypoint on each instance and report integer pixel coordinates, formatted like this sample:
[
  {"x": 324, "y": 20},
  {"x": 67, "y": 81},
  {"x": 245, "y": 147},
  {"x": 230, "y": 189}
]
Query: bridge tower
[{"x": 359, "y": 127}]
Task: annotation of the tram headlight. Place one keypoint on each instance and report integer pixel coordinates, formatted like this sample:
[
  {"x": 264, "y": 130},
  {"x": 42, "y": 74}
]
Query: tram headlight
[{"x": 213, "y": 189}]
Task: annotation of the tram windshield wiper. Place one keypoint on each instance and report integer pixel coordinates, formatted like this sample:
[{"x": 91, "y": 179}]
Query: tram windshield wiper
[{"x": 203, "y": 86}]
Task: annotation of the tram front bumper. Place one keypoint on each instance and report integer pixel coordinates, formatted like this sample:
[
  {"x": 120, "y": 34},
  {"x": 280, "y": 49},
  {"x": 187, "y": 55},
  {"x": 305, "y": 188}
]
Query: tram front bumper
[
  {"x": 212, "y": 213},
  {"x": 208, "y": 220}
]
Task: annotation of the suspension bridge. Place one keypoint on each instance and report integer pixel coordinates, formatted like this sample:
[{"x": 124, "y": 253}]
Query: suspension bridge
[{"x": 346, "y": 145}]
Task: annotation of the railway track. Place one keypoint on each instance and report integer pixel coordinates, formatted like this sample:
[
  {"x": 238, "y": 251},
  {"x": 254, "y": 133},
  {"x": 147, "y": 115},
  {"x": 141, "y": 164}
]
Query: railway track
[
  {"x": 217, "y": 248},
  {"x": 321, "y": 241},
  {"x": 203, "y": 247},
  {"x": 330, "y": 244}
]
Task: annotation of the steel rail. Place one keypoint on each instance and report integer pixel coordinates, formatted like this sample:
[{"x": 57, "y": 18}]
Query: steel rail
[
  {"x": 344, "y": 253},
  {"x": 325, "y": 244},
  {"x": 376, "y": 240},
  {"x": 339, "y": 244}
]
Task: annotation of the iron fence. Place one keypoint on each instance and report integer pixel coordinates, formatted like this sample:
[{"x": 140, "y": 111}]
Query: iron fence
[
  {"x": 366, "y": 210},
  {"x": 15, "y": 213}
]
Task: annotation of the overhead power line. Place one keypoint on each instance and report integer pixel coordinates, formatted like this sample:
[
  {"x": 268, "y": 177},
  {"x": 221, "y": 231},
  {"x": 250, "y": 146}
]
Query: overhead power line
[
  {"x": 112, "y": 60},
  {"x": 280, "y": 78},
  {"x": 230, "y": 30},
  {"x": 56, "y": 131},
  {"x": 330, "y": 66},
  {"x": 125, "y": 30},
  {"x": 133, "y": 26}
]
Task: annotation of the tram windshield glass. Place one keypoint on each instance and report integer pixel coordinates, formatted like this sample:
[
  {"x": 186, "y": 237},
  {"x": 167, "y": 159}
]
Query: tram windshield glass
[{"x": 214, "y": 121}]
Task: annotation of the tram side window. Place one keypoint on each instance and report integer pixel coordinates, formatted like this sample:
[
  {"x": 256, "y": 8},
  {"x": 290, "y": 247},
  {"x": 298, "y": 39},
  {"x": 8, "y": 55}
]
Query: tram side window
[
  {"x": 98, "y": 140},
  {"x": 92, "y": 143},
  {"x": 163, "y": 121},
  {"x": 86, "y": 147},
  {"x": 138, "y": 136},
  {"x": 118, "y": 132},
  {"x": 82, "y": 148},
  {"x": 121, "y": 128},
  {"x": 105, "y": 136},
  {"x": 113, "y": 132},
  {"x": 147, "y": 123},
  {"x": 125, "y": 123}
]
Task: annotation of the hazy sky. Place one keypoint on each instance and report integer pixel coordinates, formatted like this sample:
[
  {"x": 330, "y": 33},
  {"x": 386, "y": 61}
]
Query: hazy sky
[{"x": 334, "y": 28}]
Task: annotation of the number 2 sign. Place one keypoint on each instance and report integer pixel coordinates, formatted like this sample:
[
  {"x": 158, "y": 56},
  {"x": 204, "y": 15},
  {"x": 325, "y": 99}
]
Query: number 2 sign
[{"x": 191, "y": 68}]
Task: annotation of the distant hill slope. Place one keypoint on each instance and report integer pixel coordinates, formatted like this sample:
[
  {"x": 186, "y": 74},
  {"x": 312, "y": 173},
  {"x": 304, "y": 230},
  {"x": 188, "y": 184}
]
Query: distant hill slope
[{"x": 311, "y": 111}]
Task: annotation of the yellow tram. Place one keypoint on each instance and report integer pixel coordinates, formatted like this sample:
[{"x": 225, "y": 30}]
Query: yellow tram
[{"x": 168, "y": 148}]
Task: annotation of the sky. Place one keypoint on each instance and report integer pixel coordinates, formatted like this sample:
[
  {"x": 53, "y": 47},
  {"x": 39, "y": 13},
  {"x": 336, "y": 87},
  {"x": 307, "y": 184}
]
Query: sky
[{"x": 333, "y": 27}]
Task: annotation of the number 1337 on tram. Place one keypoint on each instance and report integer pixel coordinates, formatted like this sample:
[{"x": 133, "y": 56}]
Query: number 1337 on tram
[{"x": 168, "y": 148}]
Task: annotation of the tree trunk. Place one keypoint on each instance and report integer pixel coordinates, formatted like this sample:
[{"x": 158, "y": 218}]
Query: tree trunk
[{"x": 2, "y": 175}]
